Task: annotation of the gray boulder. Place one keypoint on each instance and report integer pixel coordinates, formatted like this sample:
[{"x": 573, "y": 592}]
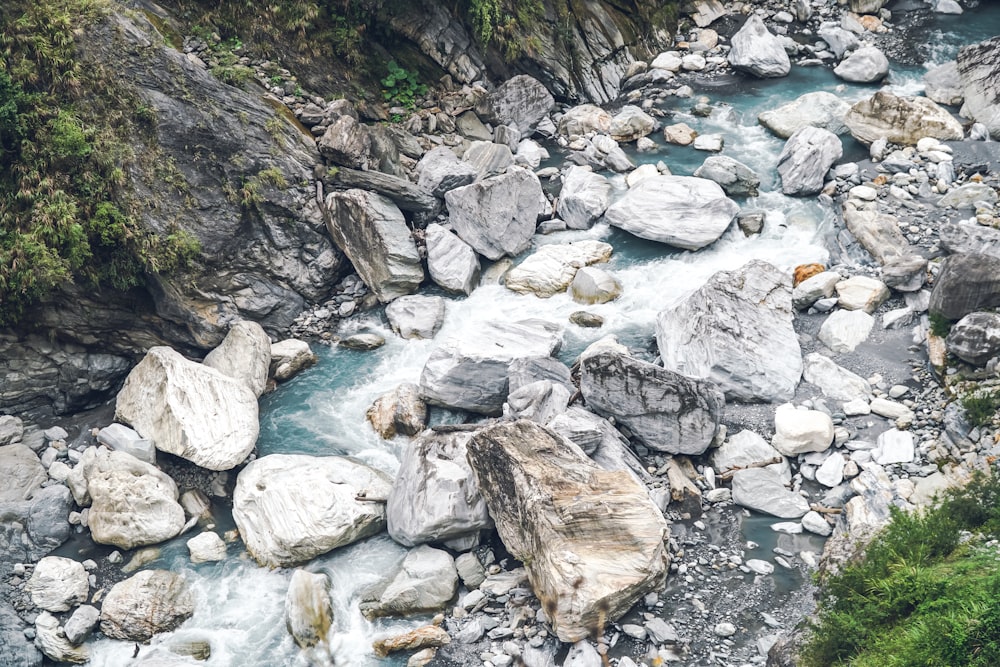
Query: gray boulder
[
  {"x": 763, "y": 490},
  {"x": 488, "y": 158},
  {"x": 435, "y": 497},
  {"x": 833, "y": 380},
  {"x": 584, "y": 197},
  {"x": 630, "y": 124},
  {"x": 497, "y": 215},
  {"x": 592, "y": 285},
  {"x": 146, "y": 604},
  {"x": 736, "y": 330},
  {"x": 943, "y": 84},
  {"x": 81, "y": 623},
  {"x": 405, "y": 194},
  {"x": 840, "y": 40},
  {"x": 426, "y": 582},
  {"x": 416, "y": 315},
  {"x": 878, "y": 233},
  {"x": 29, "y": 529},
  {"x": 583, "y": 119},
  {"x": 900, "y": 120},
  {"x": 682, "y": 211},
  {"x": 371, "y": 231},
  {"x": 347, "y": 143},
  {"x": 587, "y": 571},
  {"x": 817, "y": 109},
  {"x": 451, "y": 262},
  {"x": 905, "y": 273},
  {"x": 440, "y": 170},
  {"x": 289, "y": 357},
  {"x": 968, "y": 195},
  {"x": 521, "y": 101},
  {"x": 121, "y": 438},
  {"x": 736, "y": 179},
  {"x": 756, "y": 51},
  {"x": 23, "y": 473},
  {"x": 539, "y": 401},
  {"x": 866, "y": 65},
  {"x": 746, "y": 449},
  {"x": 244, "y": 354},
  {"x": 665, "y": 410},
  {"x": 11, "y": 430},
  {"x": 979, "y": 71},
  {"x": 51, "y": 640},
  {"x": 975, "y": 338},
  {"x": 398, "y": 412},
  {"x": 966, "y": 284},
  {"x": 969, "y": 237},
  {"x": 807, "y": 156},
  {"x": 308, "y": 608}
]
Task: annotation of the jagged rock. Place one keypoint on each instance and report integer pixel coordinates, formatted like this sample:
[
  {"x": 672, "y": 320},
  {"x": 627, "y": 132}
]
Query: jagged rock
[
  {"x": 488, "y": 158},
  {"x": 58, "y": 584},
  {"x": 244, "y": 354},
  {"x": 861, "y": 293},
  {"x": 51, "y": 640},
  {"x": 814, "y": 288},
  {"x": 189, "y": 410},
  {"x": 807, "y": 156},
  {"x": 521, "y": 101},
  {"x": 979, "y": 70},
  {"x": 416, "y": 316},
  {"x": 529, "y": 154},
  {"x": 592, "y": 285},
  {"x": 11, "y": 430},
  {"x": 736, "y": 179},
  {"x": 551, "y": 269},
  {"x": 471, "y": 373},
  {"x": 975, "y": 338},
  {"x": 584, "y": 197},
  {"x": 878, "y": 233},
  {"x": 121, "y": 438},
  {"x": 905, "y": 273},
  {"x": 665, "y": 410},
  {"x": 683, "y": 211},
  {"x": 308, "y": 609},
  {"x": 497, "y": 215},
  {"x": 406, "y": 195},
  {"x": 371, "y": 231},
  {"x": 756, "y": 51},
  {"x": 705, "y": 12},
  {"x": 965, "y": 284},
  {"x": 866, "y": 65},
  {"x": 893, "y": 446},
  {"x": 630, "y": 124},
  {"x": 817, "y": 109},
  {"x": 746, "y": 449},
  {"x": 943, "y": 84},
  {"x": 423, "y": 637},
  {"x": 844, "y": 330},
  {"x": 132, "y": 503},
  {"x": 23, "y": 472},
  {"x": 900, "y": 120},
  {"x": 736, "y": 330},
  {"x": 966, "y": 196},
  {"x": 801, "y": 431},
  {"x": 815, "y": 523},
  {"x": 347, "y": 142},
  {"x": 400, "y": 411},
  {"x": 291, "y": 508},
  {"x": 289, "y": 357},
  {"x": 452, "y": 262},
  {"x": 207, "y": 547},
  {"x": 969, "y": 237},
  {"x": 82, "y": 622},
  {"x": 833, "y": 380},
  {"x": 840, "y": 40},
  {"x": 763, "y": 490},
  {"x": 440, "y": 170},
  {"x": 427, "y": 581},
  {"x": 435, "y": 497},
  {"x": 468, "y": 125},
  {"x": 146, "y": 604},
  {"x": 583, "y": 119},
  {"x": 29, "y": 529},
  {"x": 592, "y": 540},
  {"x": 539, "y": 401}
]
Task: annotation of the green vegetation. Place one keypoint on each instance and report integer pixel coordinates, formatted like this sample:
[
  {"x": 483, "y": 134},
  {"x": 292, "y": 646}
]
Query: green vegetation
[
  {"x": 981, "y": 406},
  {"x": 940, "y": 325},
  {"x": 506, "y": 23},
  {"x": 925, "y": 592},
  {"x": 401, "y": 86},
  {"x": 65, "y": 126}
]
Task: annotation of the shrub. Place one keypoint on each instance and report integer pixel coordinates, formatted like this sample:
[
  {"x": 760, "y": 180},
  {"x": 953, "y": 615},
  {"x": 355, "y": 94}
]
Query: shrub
[
  {"x": 981, "y": 406},
  {"x": 401, "y": 86}
]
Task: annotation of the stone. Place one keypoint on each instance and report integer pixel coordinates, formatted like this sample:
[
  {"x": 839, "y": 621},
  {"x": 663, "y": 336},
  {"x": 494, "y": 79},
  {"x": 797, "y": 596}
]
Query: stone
[
  {"x": 764, "y": 491},
  {"x": 758, "y": 566},
  {"x": 681, "y": 211},
  {"x": 680, "y": 134},
  {"x": 522, "y": 101},
  {"x": 123, "y": 439},
  {"x": 943, "y": 84},
  {"x": 468, "y": 125},
  {"x": 840, "y": 40},
  {"x": 905, "y": 273},
  {"x": 844, "y": 330},
  {"x": 975, "y": 338},
  {"x": 889, "y": 409},
  {"x": 431, "y": 636},
  {"x": 372, "y": 232},
  {"x": 878, "y": 233},
  {"x": 497, "y": 216},
  {"x": 347, "y": 142},
  {"x": 207, "y": 547},
  {"x": 365, "y": 341},
  {"x": 583, "y": 119},
  {"x": 289, "y": 357},
  {"x": 440, "y": 170},
  {"x": 801, "y": 431},
  {"x": 52, "y": 641},
  {"x": 736, "y": 179},
  {"x": 894, "y": 446},
  {"x": 746, "y": 449},
  {"x": 815, "y": 523},
  {"x": 584, "y": 197},
  {"x": 487, "y": 158},
  {"x": 968, "y": 195},
  {"x": 861, "y": 293},
  {"x": 834, "y": 381},
  {"x": 539, "y": 401},
  {"x": 592, "y": 285},
  {"x": 399, "y": 190},
  {"x": 831, "y": 472},
  {"x": 592, "y": 540},
  {"x": 81, "y": 623},
  {"x": 470, "y": 570},
  {"x": 818, "y": 109},
  {"x": 471, "y": 373},
  {"x": 308, "y": 608},
  {"x": 30, "y": 529},
  {"x": 900, "y": 120},
  {"x": 132, "y": 503},
  {"x": 665, "y": 410},
  {"x": 736, "y": 331},
  {"x": 23, "y": 473},
  {"x": 398, "y": 412},
  {"x": 530, "y": 154},
  {"x": 712, "y": 143},
  {"x": 11, "y": 430},
  {"x": 966, "y": 283},
  {"x": 146, "y": 604},
  {"x": 706, "y": 12},
  {"x": 435, "y": 496},
  {"x": 550, "y": 269},
  {"x": 451, "y": 262},
  {"x": 758, "y": 52},
  {"x": 244, "y": 354},
  {"x": 630, "y": 124},
  {"x": 426, "y": 582},
  {"x": 58, "y": 584},
  {"x": 806, "y": 158},
  {"x": 290, "y": 508},
  {"x": 866, "y": 65},
  {"x": 528, "y": 370},
  {"x": 814, "y": 288},
  {"x": 416, "y": 315},
  {"x": 978, "y": 67}
]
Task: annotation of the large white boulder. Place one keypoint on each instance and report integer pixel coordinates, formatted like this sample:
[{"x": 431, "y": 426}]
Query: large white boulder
[
  {"x": 550, "y": 269},
  {"x": 244, "y": 354},
  {"x": 763, "y": 490},
  {"x": 801, "y": 431},
  {"x": 747, "y": 449},
  {"x": 426, "y": 581},
  {"x": 866, "y": 65},
  {"x": 146, "y": 604},
  {"x": 584, "y": 197},
  {"x": 833, "y": 380},
  {"x": 58, "y": 584},
  {"x": 900, "y": 120},
  {"x": 806, "y": 158},
  {"x": 844, "y": 330},
  {"x": 817, "y": 109},
  {"x": 308, "y": 608},
  {"x": 416, "y": 315},
  {"x": 452, "y": 262},
  {"x": 861, "y": 293},
  {"x": 756, "y": 51},
  {"x": 23, "y": 472}
]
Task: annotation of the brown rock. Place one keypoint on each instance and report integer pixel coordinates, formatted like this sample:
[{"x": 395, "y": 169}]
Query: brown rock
[
  {"x": 804, "y": 272},
  {"x": 400, "y": 411},
  {"x": 428, "y": 636}
]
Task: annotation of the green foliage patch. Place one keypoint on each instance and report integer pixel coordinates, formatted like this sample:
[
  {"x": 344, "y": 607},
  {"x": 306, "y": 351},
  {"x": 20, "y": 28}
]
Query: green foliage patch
[
  {"x": 401, "y": 86},
  {"x": 981, "y": 406}
]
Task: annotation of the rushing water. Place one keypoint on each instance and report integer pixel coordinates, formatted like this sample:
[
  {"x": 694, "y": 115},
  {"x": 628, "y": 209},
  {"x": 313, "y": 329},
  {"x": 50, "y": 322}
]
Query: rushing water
[{"x": 322, "y": 411}]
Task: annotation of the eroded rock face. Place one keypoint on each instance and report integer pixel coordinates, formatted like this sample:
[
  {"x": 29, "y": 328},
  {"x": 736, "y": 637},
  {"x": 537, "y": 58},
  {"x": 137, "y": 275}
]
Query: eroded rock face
[
  {"x": 291, "y": 508},
  {"x": 190, "y": 410},
  {"x": 521, "y": 101},
  {"x": 979, "y": 71},
  {"x": 900, "y": 120},
  {"x": 592, "y": 540},
  {"x": 151, "y": 602}
]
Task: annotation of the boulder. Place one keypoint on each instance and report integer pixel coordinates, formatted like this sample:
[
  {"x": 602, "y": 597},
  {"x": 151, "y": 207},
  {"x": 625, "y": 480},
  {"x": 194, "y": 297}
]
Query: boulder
[
  {"x": 878, "y": 233},
  {"x": 289, "y": 357},
  {"x": 867, "y": 6},
  {"x": 440, "y": 170},
  {"x": 539, "y": 401},
  {"x": 844, "y": 330},
  {"x": 51, "y": 640},
  {"x": 244, "y": 354},
  {"x": 965, "y": 284},
  {"x": 975, "y": 338},
  {"x": 763, "y": 490},
  {"x": 969, "y": 237},
  {"x": 398, "y": 412},
  {"x": 630, "y": 124},
  {"x": 679, "y": 133},
  {"x": 528, "y": 370},
  {"x": 682, "y": 211},
  {"x": 900, "y": 120},
  {"x": 706, "y": 12},
  {"x": 521, "y": 101},
  {"x": 584, "y": 197},
  {"x": 347, "y": 143},
  {"x": 943, "y": 84},
  {"x": 207, "y": 547},
  {"x": 81, "y": 623},
  {"x": 817, "y": 109},
  {"x": 592, "y": 541},
  {"x": 834, "y": 381},
  {"x": 893, "y": 446},
  {"x": 861, "y": 293},
  {"x": 583, "y": 119},
  {"x": 371, "y": 231},
  {"x": 979, "y": 72},
  {"x": 471, "y": 373},
  {"x": 807, "y": 156},
  {"x": 308, "y": 608},
  {"x": 121, "y": 438},
  {"x": 592, "y": 285},
  {"x": 551, "y": 268},
  {"x": 452, "y": 262},
  {"x": 736, "y": 330},
  {"x": 665, "y": 410},
  {"x": 23, "y": 473},
  {"x": 425, "y": 637},
  {"x": 968, "y": 195},
  {"x": 756, "y": 51},
  {"x": 435, "y": 497},
  {"x": 488, "y": 158},
  {"x": 736, "y": 179},
  {"x": 402, "y": 192},
  {"x": 814, "y": 288},
  {"x": 58, "y": 584},
  {"x": 830, "y": 473},
  {"x": 840, "y": 40},
  {"x": 866, "y": 65},
  {"x": 905, "y": 273},
  {"x": 290, "y": 508},
  {"x": 11, "y": 430},
  {"x": 801, "y": 431},
  {"x": 416, "y": 315},
  {"x": 426, "y": 582},
  {"x": 468, "y": 125},
  {"x": 29, "y": 529},
  {"x": 132, "y": 503},
  {"x": 146, "y": 604},
  {"x": 497, "y": 215},
  {"x": 746, "y": 449}
]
